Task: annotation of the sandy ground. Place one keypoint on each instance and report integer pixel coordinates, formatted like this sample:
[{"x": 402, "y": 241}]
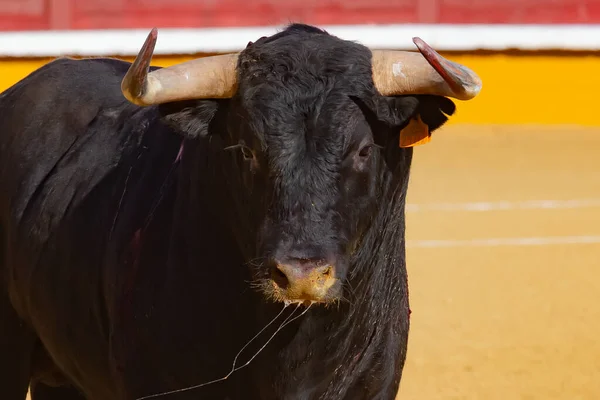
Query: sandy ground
[
  {"x": 505, "y": 300},
  {"x": 503, "y": 256}
]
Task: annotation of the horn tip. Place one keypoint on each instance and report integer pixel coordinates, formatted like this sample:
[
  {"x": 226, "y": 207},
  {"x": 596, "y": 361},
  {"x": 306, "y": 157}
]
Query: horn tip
[
  {"x": 134, "y": 83},
  {"x": 422, "y": 45},
  {"x": 465, "y": 82}
]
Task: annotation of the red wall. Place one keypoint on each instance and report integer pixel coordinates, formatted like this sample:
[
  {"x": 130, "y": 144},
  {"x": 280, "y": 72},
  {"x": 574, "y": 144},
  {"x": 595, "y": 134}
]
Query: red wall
[{"x": 98, "y": 14}]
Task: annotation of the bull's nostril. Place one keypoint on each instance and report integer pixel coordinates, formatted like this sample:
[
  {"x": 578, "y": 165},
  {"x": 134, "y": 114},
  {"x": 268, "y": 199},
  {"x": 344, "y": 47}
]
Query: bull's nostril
[
  {"x": 279, "y": 278},
  {"x": 327, "y": 272}
]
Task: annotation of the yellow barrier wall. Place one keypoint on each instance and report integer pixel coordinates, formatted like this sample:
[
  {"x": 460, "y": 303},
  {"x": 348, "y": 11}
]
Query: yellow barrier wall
[{"x": 517, "y": 89}]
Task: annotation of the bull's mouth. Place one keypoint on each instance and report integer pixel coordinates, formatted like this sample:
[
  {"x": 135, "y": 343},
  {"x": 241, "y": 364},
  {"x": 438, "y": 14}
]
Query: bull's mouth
[
  {"x": 305, "y": 303},
  {"x": 282, "y": 296},
  {"x": 318, "y": 295}
]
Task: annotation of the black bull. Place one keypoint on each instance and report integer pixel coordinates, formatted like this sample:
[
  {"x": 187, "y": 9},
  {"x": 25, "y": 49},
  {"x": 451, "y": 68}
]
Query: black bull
[{"x": 139, "y": 247}]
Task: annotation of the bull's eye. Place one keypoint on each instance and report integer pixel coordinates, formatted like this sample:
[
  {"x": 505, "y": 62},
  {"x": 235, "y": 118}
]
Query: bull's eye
[{"x": 365, "y": 152}]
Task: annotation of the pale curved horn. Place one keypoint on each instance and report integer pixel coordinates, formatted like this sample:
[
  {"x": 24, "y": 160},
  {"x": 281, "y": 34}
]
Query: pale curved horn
[
  {"x": 427, "y": 72},
  {"x": 202, "y": 78}
]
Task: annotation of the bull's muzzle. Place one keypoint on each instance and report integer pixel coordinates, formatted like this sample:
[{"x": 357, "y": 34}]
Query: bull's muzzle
[{"x": 301, "y": 280}]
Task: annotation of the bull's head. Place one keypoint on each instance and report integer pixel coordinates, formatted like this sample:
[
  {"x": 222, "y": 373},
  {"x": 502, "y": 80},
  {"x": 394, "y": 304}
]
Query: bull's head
[{"x": 311, "y": 130}]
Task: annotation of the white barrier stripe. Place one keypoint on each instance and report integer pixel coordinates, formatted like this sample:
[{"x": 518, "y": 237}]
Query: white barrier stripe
[
  {"x": 461, "y": 37},
  {"x": 492, "y": 242},
  {"x": 505, "y": 205}
]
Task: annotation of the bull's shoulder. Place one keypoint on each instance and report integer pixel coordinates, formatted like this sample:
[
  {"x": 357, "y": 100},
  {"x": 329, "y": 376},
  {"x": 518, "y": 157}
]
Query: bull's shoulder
[{"x": 63, "y": 129}]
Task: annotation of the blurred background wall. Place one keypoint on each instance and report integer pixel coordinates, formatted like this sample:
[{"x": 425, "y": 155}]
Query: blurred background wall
[
  {"x": 48, "y": 28},
  {"x": 126, "y": 14},
  {"x": 503, "y": 213}
]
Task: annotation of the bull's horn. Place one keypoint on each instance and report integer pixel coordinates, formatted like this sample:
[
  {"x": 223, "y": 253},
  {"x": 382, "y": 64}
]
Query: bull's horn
[
  {"x": 202, "y": 78},
  {"x": 427, "y": 72}
]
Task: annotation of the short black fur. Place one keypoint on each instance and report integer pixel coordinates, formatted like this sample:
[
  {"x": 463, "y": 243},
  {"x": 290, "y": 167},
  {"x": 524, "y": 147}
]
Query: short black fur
[{"x": 132, "y": 237}]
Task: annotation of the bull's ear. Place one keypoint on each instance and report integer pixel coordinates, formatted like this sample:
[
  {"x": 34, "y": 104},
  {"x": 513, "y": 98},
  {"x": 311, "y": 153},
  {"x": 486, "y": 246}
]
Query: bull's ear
[
  {"x": 435, "y": 110},
  {"x": 415, "y": 117},
  {"x": 192, "y": 118}
]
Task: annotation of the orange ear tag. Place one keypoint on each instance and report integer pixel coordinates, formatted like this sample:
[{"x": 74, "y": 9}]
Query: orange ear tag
[{"x": 415, "y": 133}]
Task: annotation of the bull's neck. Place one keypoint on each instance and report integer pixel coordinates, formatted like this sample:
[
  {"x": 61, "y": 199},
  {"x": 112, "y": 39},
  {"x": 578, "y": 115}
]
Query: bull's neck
[
  {"x": 329, "y": 351},
  {"x": 337, "y": 347}
]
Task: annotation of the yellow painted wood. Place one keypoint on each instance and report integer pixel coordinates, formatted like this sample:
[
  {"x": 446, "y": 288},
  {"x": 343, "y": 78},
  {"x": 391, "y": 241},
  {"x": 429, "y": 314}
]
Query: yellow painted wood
[{"x": 517, "y": 89}]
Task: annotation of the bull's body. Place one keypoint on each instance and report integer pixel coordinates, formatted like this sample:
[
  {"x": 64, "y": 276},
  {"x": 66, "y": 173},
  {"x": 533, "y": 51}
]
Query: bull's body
[
  {"x": 99, "y": 262},
  {"x": 123, "y": 272}
]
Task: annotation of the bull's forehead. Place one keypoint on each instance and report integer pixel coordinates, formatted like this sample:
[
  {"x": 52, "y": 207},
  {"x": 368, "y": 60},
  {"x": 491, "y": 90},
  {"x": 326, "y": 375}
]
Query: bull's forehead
[
  {"x": 296, "y": 97},
  {"x": 315, "y": 128},
  {"x": 306, "y": 149},
  {"x": 303, "y": 82}
]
